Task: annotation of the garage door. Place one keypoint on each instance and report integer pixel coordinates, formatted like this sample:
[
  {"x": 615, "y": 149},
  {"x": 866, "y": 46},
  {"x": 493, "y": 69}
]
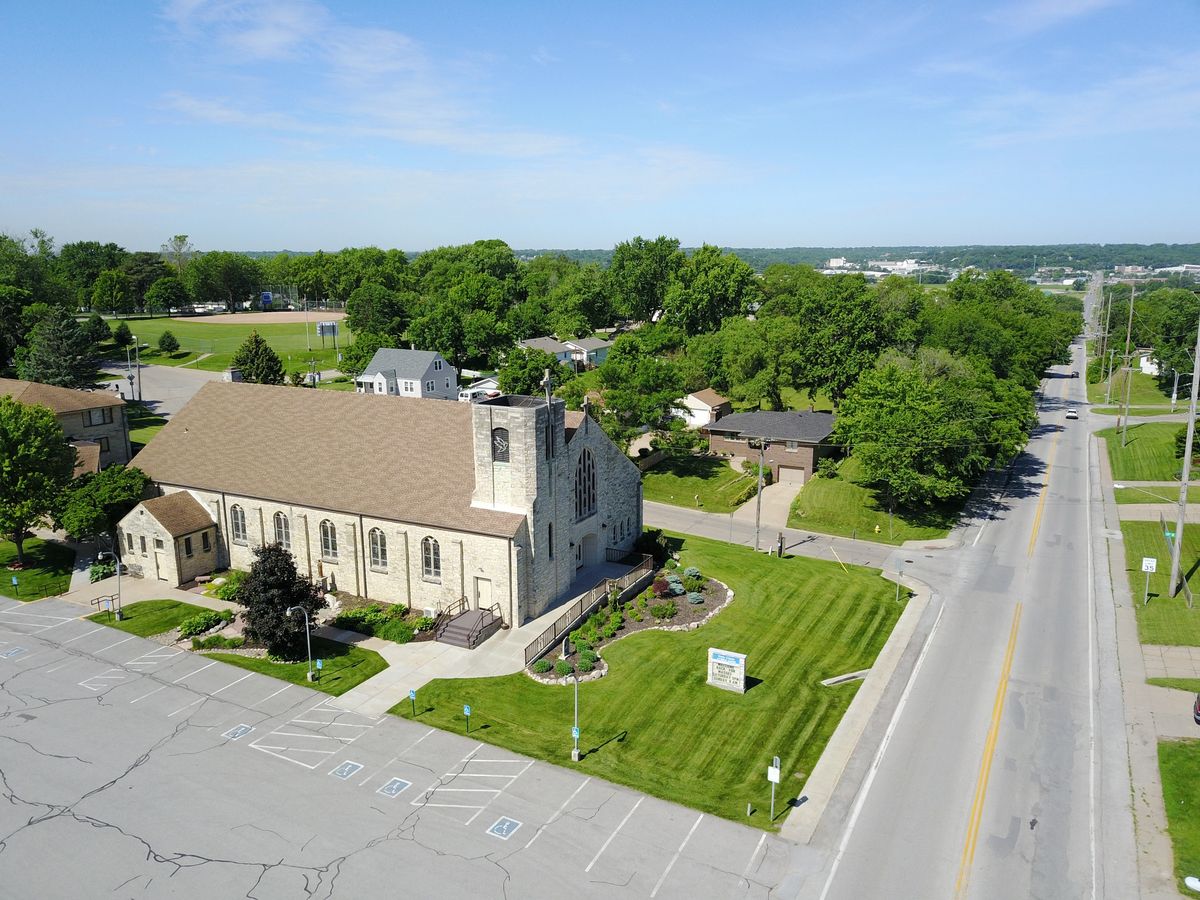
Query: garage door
[{"x": 790, "y": 475}]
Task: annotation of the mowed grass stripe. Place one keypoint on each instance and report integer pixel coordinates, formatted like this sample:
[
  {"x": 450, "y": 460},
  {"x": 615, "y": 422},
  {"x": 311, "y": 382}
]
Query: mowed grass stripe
[{"x": 654, "y": 724}]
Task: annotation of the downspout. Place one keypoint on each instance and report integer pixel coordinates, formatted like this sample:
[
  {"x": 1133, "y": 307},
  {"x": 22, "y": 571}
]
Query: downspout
[
  {"x": 225, "y": 532},
  {"x": 178, "y": 565},
  {"x": 303, "y": 517},
  {"x": 462, "y": 571},
  {"x": 355, "y": 547},
  {"x": 363, "y": 543},
  {"x": 407, "y": 569},
  {"x": 512, "y": 618}
]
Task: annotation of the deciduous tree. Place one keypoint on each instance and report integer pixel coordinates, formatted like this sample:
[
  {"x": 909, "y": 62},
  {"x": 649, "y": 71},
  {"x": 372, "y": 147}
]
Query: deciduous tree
[
  {"x": 93, "y": 504},
  {"x": 166, "y": 294},
  {"x": 111, "y": 293},
  {"x": 272, "y": 587},
  {"x": 525, "y": 368},
  {"x": 36, "y": 464}
]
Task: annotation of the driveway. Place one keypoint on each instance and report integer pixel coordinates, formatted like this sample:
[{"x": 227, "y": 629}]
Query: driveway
[
  {"x": 776, "y": 504},
  {"x": 165, "y": 389}
]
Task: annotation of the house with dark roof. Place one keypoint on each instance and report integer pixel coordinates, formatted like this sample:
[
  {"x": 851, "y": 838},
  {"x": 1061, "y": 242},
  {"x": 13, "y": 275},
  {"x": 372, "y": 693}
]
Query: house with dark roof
[
  {"x": 581, "y": 353},
  {"x": 792, "y": 442},
  {"x": 408, "y": 373},
  {"x": 497, "y": 505},
  {"x": 86, "y": 417}
]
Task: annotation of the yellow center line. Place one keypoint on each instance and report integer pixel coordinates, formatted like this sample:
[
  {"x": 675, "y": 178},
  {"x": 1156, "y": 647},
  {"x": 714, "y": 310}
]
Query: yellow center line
[
  {"x": 1037, "y": 518},
  {"x": 985, "y": 766}
]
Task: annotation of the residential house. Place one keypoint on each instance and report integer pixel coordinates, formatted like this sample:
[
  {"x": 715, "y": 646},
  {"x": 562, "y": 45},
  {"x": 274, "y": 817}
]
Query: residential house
[
  {"x": 704, "y": 407},
  {"x": 87, "y": 418},
  {"x": 498, "y": 503},
  {"x": 581, "y": 353},
  {"x": 556, "y": 348},
  {"x": 408, "y": 373},
  {"x": 793, "y": 442}
]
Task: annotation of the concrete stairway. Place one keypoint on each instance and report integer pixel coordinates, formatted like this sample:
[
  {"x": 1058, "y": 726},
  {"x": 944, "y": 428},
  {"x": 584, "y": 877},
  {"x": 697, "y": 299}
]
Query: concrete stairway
[{"x": 470, "y": 629}]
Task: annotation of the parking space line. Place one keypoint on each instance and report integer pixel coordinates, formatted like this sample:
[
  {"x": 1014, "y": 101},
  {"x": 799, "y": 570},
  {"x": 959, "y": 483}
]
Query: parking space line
[
  {"x": 80, "y": 636},
  {"x": 155, "y": 691},
  {"x": 292, "y": 749},
  {"x": 63, "y": 666},
  {"x": 398, "y": 755},
  {"x": 59, "y": 625},
  {"x": 271, "y": 752},
  {"x": 231, "y": 684},
  {"x": 196, "y": 672},
  {"x": 506, "y": 787},
  {"x": 340, "y": 724},
  {"x": 675, "y": 858},
  {"x": 117, "y": 644},
  {"x": 557, "y": 813},
  {"x": 753, "y": 856},
  {"x": 182, "y": 708},
  {"x": 276, "y": 694},
  {"x": 604, "y": 846},
  {"x": 302, "y": 734}
]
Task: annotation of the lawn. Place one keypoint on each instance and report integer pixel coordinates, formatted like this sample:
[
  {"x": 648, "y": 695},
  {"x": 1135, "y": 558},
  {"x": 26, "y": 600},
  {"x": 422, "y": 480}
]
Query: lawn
[
  {"x": 792, "y": 399},
  {"x": 681, "y": 479},
  {"x": 344, "y": 666},
  {"x": 149, "y": 616},
  {"x": 654, "y": 725},
  {"x": 1165, "y": 620},
  {"x": 1149, "y": 454},
  {"x": 846, "y": 506},
  {"x": 47, "y": 571},
  {"x": 1165, "y": 494},
  {"x": 1191, "y": 685},
  {"x": 1144, "y": 391},
  {"x": 143, "y": 424},
  {"x": 340, "y": 383},
  {"x": 198, "y": 337},
  {"x": 1179, "y": 766},
  {"x": 1135, "y": 411}
]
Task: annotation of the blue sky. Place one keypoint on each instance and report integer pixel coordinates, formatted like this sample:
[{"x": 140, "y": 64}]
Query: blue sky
[{"x": 263, "y": 124}]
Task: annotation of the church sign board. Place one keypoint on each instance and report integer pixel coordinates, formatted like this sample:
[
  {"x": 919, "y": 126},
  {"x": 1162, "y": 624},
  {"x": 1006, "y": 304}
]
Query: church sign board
[{"x": 727, "y": 670}]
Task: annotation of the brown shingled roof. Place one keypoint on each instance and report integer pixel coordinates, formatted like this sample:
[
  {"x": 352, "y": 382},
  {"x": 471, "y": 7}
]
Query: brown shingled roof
[
  {"x": 59, "y": 399},
  {"x": 179, "y": 513},
  {"x": 87, "y": 458},
  {"x": 398, "y": 458},
  {"x": 710, "y": 397}
]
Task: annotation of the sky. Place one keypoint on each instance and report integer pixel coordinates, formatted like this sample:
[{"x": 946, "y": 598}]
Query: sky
[{"x": 271, "y": 124}]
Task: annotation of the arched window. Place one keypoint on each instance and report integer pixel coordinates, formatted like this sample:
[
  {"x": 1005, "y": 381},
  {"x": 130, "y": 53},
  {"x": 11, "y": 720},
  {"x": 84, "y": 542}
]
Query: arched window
[
  {"x": 329, "y": 551},
  {"x": 283, "y": 531},
  {"x": 585, "y": 485},
  {"x": 378, "y": 541},
  {"x": 499, "y": 445},
  {"x": 237, "y": 524},
  {"x": 431, "y": 559}
]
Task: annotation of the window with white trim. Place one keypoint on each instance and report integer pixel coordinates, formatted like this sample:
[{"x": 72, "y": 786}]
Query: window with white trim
[
  {"x": 329, "y": 547},
  {"x": 431, "y": 560},
  {"x": 237, "y": 524},
  {"x": 283, "y": 531},
  {"x": 103, "y": 416},
  {"x": 585, "y": 485},
  {"x": 429, "y": 386},
  {"x": 437, "y": 365},
  {"x": 408, "y": 387},
  {"x": 378, "y": 543}
]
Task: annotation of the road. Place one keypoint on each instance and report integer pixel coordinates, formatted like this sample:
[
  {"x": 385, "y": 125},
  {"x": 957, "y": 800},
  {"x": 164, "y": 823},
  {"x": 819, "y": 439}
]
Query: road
[{"x": 1002, "y": 770}]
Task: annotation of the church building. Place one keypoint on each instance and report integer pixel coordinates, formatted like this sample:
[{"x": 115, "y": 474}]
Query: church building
[{"x": 417, "y": 501}]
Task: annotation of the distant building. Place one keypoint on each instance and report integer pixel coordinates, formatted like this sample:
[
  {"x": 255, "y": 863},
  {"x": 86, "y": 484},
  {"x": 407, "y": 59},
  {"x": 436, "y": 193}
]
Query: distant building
[
  {"x": 838, "y": 262},
  {"x": 94, "y": 421},
  {"x": 408, "y": 373},
  {"x": 553, "y": 346},
  {"x": 582, "y": 353}
]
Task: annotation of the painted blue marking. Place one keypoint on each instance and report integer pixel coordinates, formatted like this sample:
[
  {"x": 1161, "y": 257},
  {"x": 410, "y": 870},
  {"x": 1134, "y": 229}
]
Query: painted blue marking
[
  {"x": 394, "y": 788},
  {"x": 346, "y": 769},
  {"x": 238, "y": 731},
  {"x": 504, "y": 828}
]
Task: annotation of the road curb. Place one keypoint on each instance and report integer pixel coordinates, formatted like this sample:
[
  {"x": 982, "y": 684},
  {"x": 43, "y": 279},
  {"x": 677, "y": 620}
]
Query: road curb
[{"x": 802, "y": 823}]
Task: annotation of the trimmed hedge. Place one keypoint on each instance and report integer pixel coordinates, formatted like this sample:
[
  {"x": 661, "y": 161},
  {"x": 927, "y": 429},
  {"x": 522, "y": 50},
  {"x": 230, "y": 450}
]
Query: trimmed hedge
[
  {"x": 217, "y": 642},
  {"x": 200, "y": 623}
]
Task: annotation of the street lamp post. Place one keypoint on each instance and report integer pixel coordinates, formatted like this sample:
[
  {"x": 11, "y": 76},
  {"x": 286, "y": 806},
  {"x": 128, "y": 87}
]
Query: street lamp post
[
  {"x": 575, "y": 730},
  {"x": 307, "y": 636}
]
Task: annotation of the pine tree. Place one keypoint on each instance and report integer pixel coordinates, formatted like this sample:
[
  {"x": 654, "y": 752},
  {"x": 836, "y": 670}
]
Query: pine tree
[
  {"x": 59, "y": 352},
  {"x": 257, "y": 362}
]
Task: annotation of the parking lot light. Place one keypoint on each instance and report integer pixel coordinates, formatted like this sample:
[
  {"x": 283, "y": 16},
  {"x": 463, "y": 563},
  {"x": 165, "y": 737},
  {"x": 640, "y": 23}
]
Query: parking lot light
[{"x": 307, "y": 636}]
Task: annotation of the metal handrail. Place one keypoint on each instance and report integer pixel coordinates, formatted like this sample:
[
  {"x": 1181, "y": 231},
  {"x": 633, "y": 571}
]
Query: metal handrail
[
  {"x": 494, "y": 612},
  {"x": 444, "y": 617}
]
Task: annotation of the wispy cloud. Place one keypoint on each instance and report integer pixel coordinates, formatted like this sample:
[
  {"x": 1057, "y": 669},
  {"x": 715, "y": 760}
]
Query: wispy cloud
[{"x": 1028, "y": 16}]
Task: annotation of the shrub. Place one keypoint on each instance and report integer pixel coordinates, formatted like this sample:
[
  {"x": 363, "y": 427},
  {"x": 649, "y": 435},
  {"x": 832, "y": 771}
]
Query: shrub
[
  {"x": 645, "y": 596},
  {"x": 637, "y": 616},
  {"x": 542, "y": 666},
  {"x": 610, "y": 631},
  {"x": 617, "y": 618},
  {"x": 217, "y": 642},
  {"x": 167, "y": 342},
  {"x": 226, "y": 615},
  {"x": 394, "y": 629},
  {"x": 199, "y": 623},
  {"x": 666, "y": 610},
  {"x": 828, "y": 468},
  {"x": 100, "y": 571},
  {"x": 695, "y": 597},
  {"x": 588, "y": 656},
  {"x": 661, "y": 587},
  {"x": 585, "y": 666},
  {"x": 677, "y": 590},
  {"x": 691, "y": 572},
  {"x": 674, "y": 579},
  {"x": 693, "y": 584},
  {"x": 424, "y": 623},
  {"x": 233, "y": 581},
  {"x": 653, "y": 542},
  {"x": 562, "y": 668}
]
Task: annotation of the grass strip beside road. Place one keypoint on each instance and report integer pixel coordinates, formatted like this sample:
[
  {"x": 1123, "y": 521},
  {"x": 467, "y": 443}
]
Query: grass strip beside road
[
  {"x": 1149, "y": 453},
  {"x": 1164, "y": 620},
  {"x": 1144, "y": 391},
  {"x": 1162, "y": 494},
  {"x": 1179, "y": 766},
  {"x": 148, "y": 617},
  {"x": 344, "y": 666},
  {"x": 47, "y": 572},
  {"x": 847, "y": 506},
  {"x": 654, "y": 724},
  {"x": 1136, "y": 411},
  {"x": 1192, "y": 685},
  {"x": 680, "y": 480}
]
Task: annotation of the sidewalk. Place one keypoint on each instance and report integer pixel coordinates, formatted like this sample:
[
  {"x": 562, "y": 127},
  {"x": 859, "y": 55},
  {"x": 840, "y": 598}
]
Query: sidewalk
[
  {"x": 1171, "y": 662},
  {"x": 1149, "y": 512}
]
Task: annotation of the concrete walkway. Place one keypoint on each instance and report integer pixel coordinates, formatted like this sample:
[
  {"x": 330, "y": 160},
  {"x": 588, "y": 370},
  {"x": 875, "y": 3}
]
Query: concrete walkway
[
  {"x": 1171, "y": 662},
  {"x": 1149, "y": 512}
]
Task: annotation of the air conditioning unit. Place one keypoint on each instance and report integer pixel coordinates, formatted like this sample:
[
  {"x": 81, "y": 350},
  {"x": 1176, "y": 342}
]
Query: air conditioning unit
[{"x": 430, "y": 612}]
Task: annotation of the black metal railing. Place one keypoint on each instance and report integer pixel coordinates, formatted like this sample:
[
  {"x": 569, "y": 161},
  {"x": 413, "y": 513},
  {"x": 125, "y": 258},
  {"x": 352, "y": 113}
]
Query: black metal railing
[
  {"x": 480, "y": 632},
  {"x": 444, "y": 617}
]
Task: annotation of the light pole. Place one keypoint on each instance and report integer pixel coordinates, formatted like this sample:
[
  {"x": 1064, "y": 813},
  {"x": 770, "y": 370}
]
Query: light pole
[
  {"x": 762, "y": 449},
  {"x": 117, "y": 563},
  {"x": 307, "y": 637},
  {"x": 137, "y": 359},
  {"x": 575, "y": 730}
]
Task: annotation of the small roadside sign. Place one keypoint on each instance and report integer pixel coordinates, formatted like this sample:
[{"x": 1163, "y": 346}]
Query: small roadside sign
[
  {"x": 320, "y": 664},
  {"x": 1149, "y": 564},
  {"x": 466, "y": 711},
  {"x": 575, "y": 733},
  {"x": 773, "y": 774},
  {"x": 412, "y": 695}
]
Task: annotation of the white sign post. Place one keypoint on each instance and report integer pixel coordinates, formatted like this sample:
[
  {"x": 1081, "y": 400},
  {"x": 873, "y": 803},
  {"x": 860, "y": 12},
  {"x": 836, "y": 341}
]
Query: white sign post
[
  {"x": 1149, "y": 566},
  {"x": 773, "y": 777},
  {"x": 727, "y": 670}
]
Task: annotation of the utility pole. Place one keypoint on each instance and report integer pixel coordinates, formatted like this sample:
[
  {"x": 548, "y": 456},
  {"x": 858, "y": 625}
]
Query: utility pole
[
  {"x": 1108, "y": 389},
  {"x": 1187, "y": 470},
  {"x": 1128, "y": 367},
  {"x": 762, "y": 449},
  {"x": 1107, "y": 317}
]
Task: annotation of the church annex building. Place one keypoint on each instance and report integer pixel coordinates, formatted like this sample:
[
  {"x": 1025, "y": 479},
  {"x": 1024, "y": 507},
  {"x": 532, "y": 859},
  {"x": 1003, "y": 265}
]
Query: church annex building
[{"x": 412, "y": 501}]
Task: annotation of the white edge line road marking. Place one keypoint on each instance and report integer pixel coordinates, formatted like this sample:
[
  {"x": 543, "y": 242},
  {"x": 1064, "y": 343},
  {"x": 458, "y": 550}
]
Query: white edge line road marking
[
  {"x": 1092, "y": 698},
  {"x": 753, "y": 856},
  {"x": 182, "y": 708},
  {"x": 269, "y": 696},
  {"x": 861, "y": 800},
  {"x": 559, "y": 812},
  {"x": 505, "y": 788},
  {"x": 155, "y": 691},
  {"x": 195, "y": 672},
  {"x": 117, "y": 644},
  {"x": 675, "y": 858},
  {"x": 604, "y": 846},
  {"x": 79, "y": 636},
  {"x": 231, "y": 684}
]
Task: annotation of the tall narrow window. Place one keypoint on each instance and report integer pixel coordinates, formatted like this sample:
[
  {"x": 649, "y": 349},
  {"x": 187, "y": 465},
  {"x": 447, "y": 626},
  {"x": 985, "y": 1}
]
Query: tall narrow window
[
  {"x": 129, "y": 540},
  {"x": 550, "y": 538},
  {"x": 329, "y": 548},
  {"x": 431, "y": 559},
  {"x": 205, "y": 542},
  {"x": 585, "y": 485},
  {"x": 378, "y": 541},
  {"x": 283, "y": 531},
  {"x": 237, "y": 524}
]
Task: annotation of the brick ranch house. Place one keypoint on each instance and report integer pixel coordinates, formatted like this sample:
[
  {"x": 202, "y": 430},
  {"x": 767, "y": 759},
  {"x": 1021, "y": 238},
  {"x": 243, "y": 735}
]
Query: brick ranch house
[
  {"x": 413, "y": 501},
  {"x": 795, "y": 441}
]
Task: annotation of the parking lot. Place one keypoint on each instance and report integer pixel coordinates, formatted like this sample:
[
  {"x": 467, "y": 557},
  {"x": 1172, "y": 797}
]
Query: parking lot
[{"x": 166, "y": 773}]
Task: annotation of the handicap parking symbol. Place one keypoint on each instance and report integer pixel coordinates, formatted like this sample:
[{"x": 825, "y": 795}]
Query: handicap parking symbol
[
  {"x": 504, "y": 828},
  {"x": 394, "y": 787},
  {"x": 11, "y": 652},
  {"x": 238, "y": 731},
  {"x": 346, "y": 769}
]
